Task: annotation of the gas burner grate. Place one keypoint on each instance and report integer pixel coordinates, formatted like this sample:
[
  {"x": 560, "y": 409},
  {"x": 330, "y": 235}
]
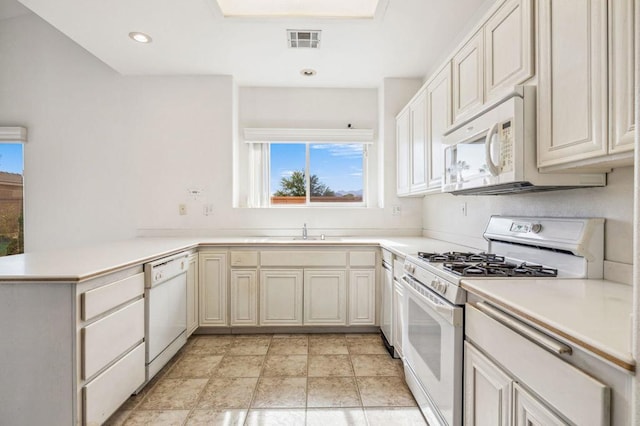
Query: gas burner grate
[
  {"x": 499, "y": 269},
  {"x": 457, "y": 256}
]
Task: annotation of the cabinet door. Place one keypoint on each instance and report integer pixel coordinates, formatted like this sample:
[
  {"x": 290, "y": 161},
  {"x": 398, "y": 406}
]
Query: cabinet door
[
  {"x": 438, "y": 119},
  {"x": 213, "y": 288},
  {"x": 398, "y": 322},
  {"x": 508, "y": 47},
  {"x": 528, "y": 411},
  {"x": 386, "y": 305},
  {"x": 468, "y": 77},
  {"x": 244, "y": 297},
  {"x": 487, "y": 391},
  {"x": 362, "y": 297},
  {"x": 621, "y": 56},
  {"x": 281, "y": 297},
  {"x": 572, "y": 80},
  {"x": 192, "y": 294},
  {"x": 325, "y": 295},
  {"x": 418, "y": 111},
  {"x": 403, "y": 149}
]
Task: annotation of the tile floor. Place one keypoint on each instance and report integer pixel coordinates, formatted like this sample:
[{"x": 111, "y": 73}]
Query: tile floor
[{"x": 295, "y": 379}]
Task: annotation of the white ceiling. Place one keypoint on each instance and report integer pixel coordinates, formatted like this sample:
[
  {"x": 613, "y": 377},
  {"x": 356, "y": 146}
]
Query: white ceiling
[{"x": 192, "y": 37}]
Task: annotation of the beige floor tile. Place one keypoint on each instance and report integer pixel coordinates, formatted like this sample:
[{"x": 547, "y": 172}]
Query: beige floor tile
[
  {"x": 118, "y": 418},
  {"x": 338, "y": 417},
  {"x": 330, "y": 365},
  {"x": 232, "y": 417},
  {"x": 228, "y": 392},
  {"x": 384, "y": 392},
  {"x": 275, "y": 417},
  {"x": 195, "y": 365},
  {"x": 366, "y": 346},
  {"x": 372, "y": 336},
  {"x": 289, "y": 345},
  {"x": 280, "y": 392},
  {"x": 291, "y": 336},
  {"x": 328, "y": 346},
  {"x": 213, "y": 345},
  {"x": 332, "y": 392},
  {"x": 285, "y": 365},
  {"x": 250, "y": 345},
  {"x": 409, "y": 416},
  {"x": 376, "y": 365},
  {"x": 326, "y": 336},
  {"x": 173, "y": 394},
  {"x": 240, "y": 366},
  {"x": 157, "y": 418}
]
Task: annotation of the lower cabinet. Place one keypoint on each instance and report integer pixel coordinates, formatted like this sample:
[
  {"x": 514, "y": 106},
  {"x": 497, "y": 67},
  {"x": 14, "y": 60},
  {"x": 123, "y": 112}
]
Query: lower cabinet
[
  {"x": 528, "y": 411},
  {"x": 192, "y": 294},
  {"x": 362, "y": 297},
  {"x": 213, "y": 288},
  {"x": 398, "y": 312},
  {"x": 281, "y": 296},
  {"x": 244, "y": 297},
  {"x": 325, "y": 295}
]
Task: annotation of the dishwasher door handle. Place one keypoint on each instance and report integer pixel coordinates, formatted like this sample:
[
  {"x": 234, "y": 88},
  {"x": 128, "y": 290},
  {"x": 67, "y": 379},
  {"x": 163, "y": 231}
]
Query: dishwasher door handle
[{"x": 527, "y": 331}]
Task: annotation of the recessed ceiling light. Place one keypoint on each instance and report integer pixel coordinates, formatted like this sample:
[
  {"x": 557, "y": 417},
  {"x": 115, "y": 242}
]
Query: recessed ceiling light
[
  {"x": 297, "y": 8},
  {"x": 308, "y": 72},
  {"x": 140, "y": 37}
]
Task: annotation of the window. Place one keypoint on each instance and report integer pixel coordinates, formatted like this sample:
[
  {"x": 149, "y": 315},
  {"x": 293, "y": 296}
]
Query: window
[
  {"x": 314, "y": 173},
  {"x": 11, "y": 199}
]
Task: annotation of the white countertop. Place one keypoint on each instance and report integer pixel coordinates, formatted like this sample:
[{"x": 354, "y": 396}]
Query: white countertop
[{"x": 593, "y": 314}]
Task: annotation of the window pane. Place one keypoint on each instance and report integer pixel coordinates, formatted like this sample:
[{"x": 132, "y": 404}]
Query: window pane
[
  {"x": 11, "y": 196},
  {"x": 287, "y": 180},
  {"x": 336, "y": 173}
]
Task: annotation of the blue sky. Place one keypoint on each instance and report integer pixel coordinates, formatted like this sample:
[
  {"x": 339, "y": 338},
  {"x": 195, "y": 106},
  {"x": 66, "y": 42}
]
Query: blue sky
[
  {"x": 11, "y": 158},
  {"x": 339, "y": 166}
]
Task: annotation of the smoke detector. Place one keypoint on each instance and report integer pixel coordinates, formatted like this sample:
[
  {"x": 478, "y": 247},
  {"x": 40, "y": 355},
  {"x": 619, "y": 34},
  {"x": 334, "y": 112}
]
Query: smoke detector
[{"x": 298, "y": 39}]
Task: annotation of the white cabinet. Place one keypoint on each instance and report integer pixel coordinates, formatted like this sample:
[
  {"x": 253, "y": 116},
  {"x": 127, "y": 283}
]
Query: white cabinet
[
  {"x": 213, "y": 288},
  {"x": 438, "y": 95},
  {"x": 468, "y": 77},
  {"x": 398, "y": 312},
  {"x": 403, "y": 150},
  {"x": 325, "y": 295},
  {"x": 281, "y": 296},
  {"x": 362, "y": 297},
  {"x": 621, "y": 85},
  {"x": 487, "y": 391},
  {"x": 192, "y": 294},
  {"x": 418, "y": 114},
  {"x": 528, "y": 411},
  {"x": 508, "y": 42},
  {"x": 244, "y": 297},
  {"x": 572, "y": 80}
]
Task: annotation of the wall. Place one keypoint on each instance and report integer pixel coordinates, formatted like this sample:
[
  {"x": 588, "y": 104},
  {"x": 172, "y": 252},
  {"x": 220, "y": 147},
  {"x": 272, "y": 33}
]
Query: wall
[{"x": 443, "y": 218}]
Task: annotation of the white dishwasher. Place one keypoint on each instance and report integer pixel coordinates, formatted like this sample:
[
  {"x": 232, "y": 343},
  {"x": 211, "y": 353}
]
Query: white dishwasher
[{"x": 165, "y": 310}]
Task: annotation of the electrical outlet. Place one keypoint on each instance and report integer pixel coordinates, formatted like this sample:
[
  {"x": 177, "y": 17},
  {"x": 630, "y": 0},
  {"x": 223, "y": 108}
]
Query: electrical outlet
[
  {"x": 395, "y": 210},
  {"x": 207, "y": 209},
  {"x": 463, "y": 209},
  {"x": 182, "y": 209}
]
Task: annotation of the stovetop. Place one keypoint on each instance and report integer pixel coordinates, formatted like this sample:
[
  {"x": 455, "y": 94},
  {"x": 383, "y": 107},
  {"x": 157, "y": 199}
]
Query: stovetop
[
  {"x": 457, "y": 256},
  {"x": 499, "y": 269}
]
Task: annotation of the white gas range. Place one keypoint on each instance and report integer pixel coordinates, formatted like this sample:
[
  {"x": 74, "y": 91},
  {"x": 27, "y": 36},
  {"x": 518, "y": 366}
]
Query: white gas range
[{"x": 518, "y": 248}]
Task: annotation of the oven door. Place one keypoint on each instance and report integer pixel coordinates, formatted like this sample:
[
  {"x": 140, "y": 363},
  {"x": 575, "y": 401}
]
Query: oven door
[{"x": 433, "y": 347}]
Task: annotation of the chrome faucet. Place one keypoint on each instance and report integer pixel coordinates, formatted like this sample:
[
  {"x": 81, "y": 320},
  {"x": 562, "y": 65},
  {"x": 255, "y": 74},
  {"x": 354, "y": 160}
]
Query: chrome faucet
[{"x": 304, "y": 231}]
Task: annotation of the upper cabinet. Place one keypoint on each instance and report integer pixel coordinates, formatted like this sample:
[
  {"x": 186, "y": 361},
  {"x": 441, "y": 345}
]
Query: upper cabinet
[
  {"x": 572, "y": 80},
  {"x": 438, "y": 96},
  {"x": 508, "y": 47},
  {"x": 411, "y": 134},
  {"x": 585, "y": 84},
  {"x": 403, "y": 149},
  {"x": 468, "y": 77}
]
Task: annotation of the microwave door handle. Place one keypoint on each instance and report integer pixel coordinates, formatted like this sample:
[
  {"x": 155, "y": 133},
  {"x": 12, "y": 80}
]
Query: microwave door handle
[{"x": 493, "y": 168}]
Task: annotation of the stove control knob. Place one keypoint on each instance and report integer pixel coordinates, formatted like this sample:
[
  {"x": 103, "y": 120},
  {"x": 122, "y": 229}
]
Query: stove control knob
[
  {"x": 536, "y": 228},
  {"x": 158, "y": 276}
]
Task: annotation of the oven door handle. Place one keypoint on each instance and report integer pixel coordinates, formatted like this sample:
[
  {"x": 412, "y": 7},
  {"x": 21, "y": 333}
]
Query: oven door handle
[
  {"x": 529, "y": 332},
  {"x": 447, "y": 312}
]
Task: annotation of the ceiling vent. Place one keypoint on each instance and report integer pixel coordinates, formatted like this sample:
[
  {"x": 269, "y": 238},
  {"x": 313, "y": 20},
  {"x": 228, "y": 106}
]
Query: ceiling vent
[{"x": 303, "y": 39}]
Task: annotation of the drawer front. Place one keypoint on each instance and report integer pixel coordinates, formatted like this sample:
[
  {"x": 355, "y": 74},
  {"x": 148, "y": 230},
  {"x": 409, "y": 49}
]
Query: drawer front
[
  {"x": 104, "y": 394},
  {"x": 303, "y": 258},
  {"x": 362, "y": 258},
  {"x": 387, "y": 257},
  {"x": 106, "y": 339},
  {"x": 244, "y": 258},
  {"x": 102, "y": 299},
  {"x": 398, "y": 269},
  {"x": 579, "y": 397}
]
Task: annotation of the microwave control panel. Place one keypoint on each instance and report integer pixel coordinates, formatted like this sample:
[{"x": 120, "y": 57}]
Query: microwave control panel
[{"x": 506, "y": 146}]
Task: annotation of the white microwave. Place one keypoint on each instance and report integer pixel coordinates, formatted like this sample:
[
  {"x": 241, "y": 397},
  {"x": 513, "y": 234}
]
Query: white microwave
[{"x": 494, "y": 152}]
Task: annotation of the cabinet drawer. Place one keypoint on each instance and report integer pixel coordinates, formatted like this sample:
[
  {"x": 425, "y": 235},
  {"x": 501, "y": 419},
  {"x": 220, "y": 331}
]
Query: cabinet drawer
[
  {"x": 106, "y": 339},
  {"x": 303, "y": 258},
  {"x": 387, "y": 256},
  {"x": 104, "y": 394},
  {"x": 398, "y": 269},
  {"x": 244, "y": 258},
  {"x": 102, "y": 299},
  {"x": 362, "y": 258}
]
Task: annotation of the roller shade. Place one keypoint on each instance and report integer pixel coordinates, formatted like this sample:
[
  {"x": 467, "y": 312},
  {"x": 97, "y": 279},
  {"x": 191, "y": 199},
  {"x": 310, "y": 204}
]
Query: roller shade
[
  {"x": 13, "y": 134},
  {"x": 266, "y": 135}
]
